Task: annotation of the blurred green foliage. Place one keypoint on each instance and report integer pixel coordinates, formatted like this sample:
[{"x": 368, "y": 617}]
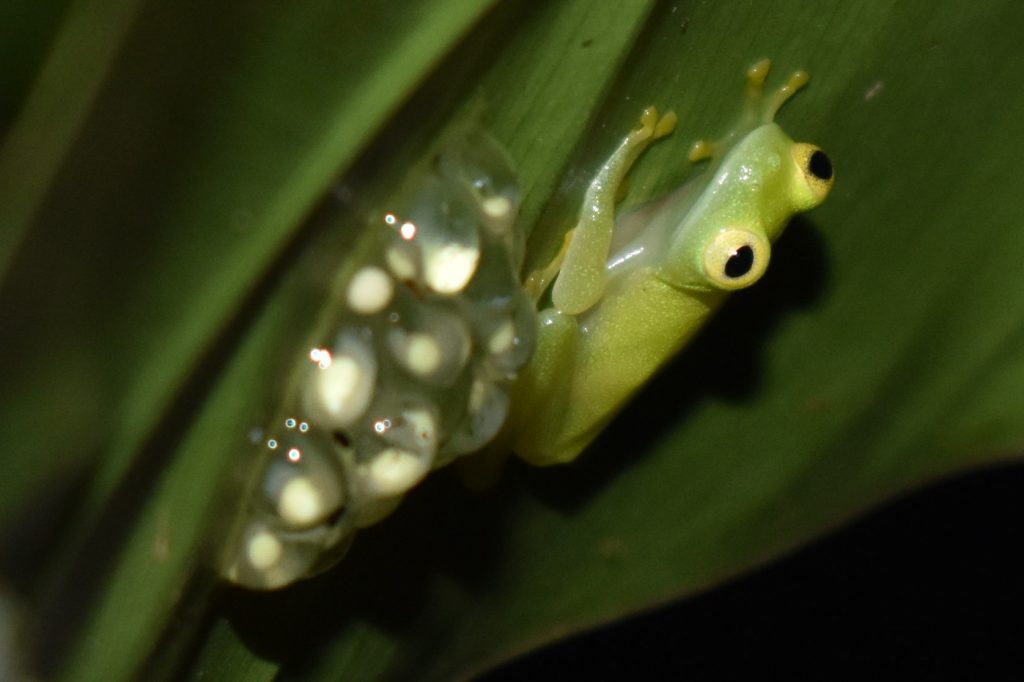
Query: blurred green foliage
[{"x": 167, "y": 170}]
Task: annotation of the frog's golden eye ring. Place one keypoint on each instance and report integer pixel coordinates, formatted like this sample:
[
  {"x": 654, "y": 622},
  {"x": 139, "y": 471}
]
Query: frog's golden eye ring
[
  {"x": 736, "y": 258},
  {"x": 816, "y": 168}
]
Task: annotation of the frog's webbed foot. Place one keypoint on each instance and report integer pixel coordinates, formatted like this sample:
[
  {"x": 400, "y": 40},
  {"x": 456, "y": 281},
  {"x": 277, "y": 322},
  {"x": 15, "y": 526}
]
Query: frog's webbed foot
[{"x": 758, "y": 109}]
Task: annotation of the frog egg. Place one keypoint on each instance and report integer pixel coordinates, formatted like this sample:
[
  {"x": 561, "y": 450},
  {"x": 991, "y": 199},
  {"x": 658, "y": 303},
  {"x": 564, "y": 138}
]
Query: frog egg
[
  {"x": 392, "y": 472},
  {"x": 414, "y": 429},
  {"x": 486, "y": 411},
  {"x": 419, "y": 352},
  {"x": 268, "y": 557},
  {"x": 433, "y": 347},
  {"x": 511, "y": 341},
  {"x": 342, "y": 382},
  {"x": 503, "y": 338},
  {"x": 404, "y": 418},
  {"x": 446, "y": 231},
  {"x": 370, "y": 290},
  {"x": 497, "y": 278},
  {"x": 303, "y": 482},
  {"x": 481, "y": 167},
  {"x": 403, "y": 259},
  {"x": 449, "y": 267},
  {"x": 263, "y": 549},
  {"x": 506, "y": 329}
]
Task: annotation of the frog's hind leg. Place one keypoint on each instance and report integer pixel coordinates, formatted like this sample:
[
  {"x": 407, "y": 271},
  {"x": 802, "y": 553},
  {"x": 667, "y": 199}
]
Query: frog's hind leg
[
  {"x": 541, "y": 396},
  {"x": 581, "y": 274}
]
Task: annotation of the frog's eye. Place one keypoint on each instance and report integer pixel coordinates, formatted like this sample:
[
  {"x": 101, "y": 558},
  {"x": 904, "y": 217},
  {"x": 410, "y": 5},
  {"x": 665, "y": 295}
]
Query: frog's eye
[
  {"x": 736, "y": 258},
  {"x": 816, "y": 168}
]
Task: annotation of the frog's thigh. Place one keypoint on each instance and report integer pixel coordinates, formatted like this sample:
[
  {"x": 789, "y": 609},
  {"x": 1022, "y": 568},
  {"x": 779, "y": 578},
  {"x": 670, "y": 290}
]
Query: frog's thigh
[{"x": 540, "y": 396}]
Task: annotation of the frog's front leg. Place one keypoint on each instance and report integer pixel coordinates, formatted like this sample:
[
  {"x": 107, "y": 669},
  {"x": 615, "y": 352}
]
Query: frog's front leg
[{"x": 582, "y": 274}]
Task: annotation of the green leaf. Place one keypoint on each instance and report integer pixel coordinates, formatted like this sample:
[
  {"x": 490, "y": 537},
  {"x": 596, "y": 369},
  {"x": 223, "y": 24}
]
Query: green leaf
[{"x": 168, "y": 245}]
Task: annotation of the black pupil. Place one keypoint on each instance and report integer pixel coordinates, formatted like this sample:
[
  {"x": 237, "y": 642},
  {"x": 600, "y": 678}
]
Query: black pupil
[
  {"x": 739, "y": 262},
  {"x": 820, "y": 165}
]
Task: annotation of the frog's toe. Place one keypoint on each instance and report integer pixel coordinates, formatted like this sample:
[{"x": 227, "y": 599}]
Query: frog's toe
[
  {"x": 792, "y": 85},
  {"x": 702, "y": 149},
  {"x": 666, "y": 124},
  {"x": 648, "y": 122},
  {"x": 757, "y": 73}
]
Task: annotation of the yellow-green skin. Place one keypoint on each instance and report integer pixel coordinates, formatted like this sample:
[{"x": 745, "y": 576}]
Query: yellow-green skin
[{"x": 631, "y": 293}]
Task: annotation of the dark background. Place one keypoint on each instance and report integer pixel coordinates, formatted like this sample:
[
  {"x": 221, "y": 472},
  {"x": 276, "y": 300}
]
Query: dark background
[{"x": 930, "y": 586}]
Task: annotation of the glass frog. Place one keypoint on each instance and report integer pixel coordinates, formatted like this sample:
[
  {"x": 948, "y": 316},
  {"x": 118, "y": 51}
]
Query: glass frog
[
  {"x": 630, "y": 292},
  {"x": 432, "y": 348}
]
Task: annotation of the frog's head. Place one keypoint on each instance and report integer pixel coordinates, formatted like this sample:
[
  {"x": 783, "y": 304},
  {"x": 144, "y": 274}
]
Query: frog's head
[
  {"x": 759, "y": 178},
  {"x": 765, "y": 180}
]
